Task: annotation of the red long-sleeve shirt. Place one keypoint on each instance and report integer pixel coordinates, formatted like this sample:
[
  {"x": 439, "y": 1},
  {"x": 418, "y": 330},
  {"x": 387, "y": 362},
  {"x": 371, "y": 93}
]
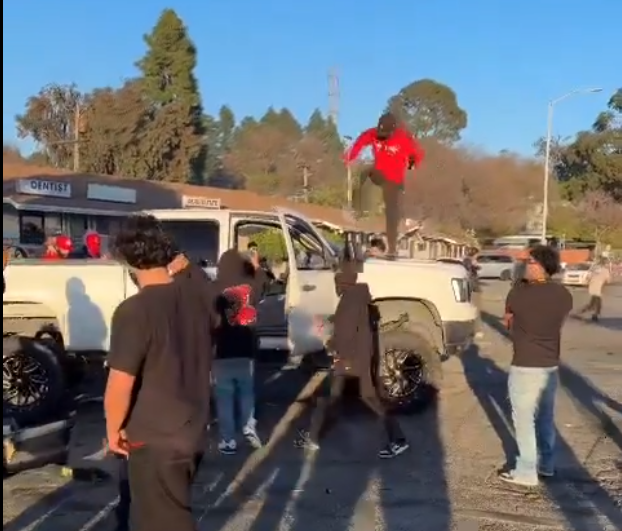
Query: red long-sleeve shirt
[{"x": 391, "y": 156}]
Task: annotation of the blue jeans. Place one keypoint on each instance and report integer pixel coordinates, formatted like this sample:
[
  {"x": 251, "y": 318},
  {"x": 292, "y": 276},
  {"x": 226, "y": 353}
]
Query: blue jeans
[
  {"x": 532, "y": 395},
  {"x": 231, "y": 375}
]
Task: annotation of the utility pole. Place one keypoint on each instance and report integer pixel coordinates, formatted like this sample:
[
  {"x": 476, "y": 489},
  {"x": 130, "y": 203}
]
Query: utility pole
[
  {"x": 77, "y": 123},
  {"x": 305, "y": 183}
]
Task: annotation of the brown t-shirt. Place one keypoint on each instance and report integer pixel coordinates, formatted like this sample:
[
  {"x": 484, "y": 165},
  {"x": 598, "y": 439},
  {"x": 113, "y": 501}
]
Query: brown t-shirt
[
  {"x": 162, "y": 336},
  {"x": 538, "y": 313}
]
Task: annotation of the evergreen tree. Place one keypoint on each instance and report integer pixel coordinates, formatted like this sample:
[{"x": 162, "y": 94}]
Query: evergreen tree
[{"x": 176, "y": 134}]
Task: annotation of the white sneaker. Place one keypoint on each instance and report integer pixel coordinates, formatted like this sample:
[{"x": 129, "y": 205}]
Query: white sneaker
[
  {"x": 251, "y": 436},
  {"x": 227, "y": 447}
]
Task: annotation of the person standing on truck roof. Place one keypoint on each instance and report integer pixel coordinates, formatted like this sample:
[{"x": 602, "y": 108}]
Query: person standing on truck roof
[
  {"x": 353, "y": 344},
  {"x": 395, "y": 151},
  {"x": 535, "y": 314},
  {"x": 58, "y": 247},
  {"x": 157, "y": 396}
]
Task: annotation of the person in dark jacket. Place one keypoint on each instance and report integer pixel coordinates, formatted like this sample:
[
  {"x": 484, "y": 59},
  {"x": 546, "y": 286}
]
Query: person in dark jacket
[
  {"x": 395, "y": 151},
  {"x": 353, "y": 344},
  {"x": 240, "y": 289}
]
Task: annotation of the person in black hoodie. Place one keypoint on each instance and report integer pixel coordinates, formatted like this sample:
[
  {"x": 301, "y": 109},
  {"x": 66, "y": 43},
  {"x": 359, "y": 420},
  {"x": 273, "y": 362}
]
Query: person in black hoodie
[
  {"x": 240, "y": 289},
  {"x": 353, "y": 344}
]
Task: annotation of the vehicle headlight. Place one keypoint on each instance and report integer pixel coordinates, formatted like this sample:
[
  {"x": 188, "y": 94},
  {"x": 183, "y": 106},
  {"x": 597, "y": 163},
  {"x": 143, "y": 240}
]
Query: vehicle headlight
[{"x": 461, "y": 289}]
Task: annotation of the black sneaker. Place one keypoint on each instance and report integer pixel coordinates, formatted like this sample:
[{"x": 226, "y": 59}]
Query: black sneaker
[
  {"x": 393, "y": 449},
  {"x": 305, "y": 442}
]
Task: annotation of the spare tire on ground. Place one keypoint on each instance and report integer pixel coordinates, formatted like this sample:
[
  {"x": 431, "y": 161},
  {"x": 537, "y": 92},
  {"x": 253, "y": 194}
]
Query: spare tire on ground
[{"x": 33, "y": 381}]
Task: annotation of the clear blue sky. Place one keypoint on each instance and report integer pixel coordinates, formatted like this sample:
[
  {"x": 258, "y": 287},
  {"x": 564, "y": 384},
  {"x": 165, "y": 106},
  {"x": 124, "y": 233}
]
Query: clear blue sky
[{"x": 504, "y": 59}]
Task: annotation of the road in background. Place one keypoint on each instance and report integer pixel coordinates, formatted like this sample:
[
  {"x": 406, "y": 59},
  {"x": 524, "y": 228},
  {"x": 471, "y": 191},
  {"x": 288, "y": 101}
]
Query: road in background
[{"x": 446, "y": 480}]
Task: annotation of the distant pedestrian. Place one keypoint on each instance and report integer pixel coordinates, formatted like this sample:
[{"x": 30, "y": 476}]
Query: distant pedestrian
[
  {"x": 353, "y": 344},
  {"x": 600, "y": 275},
  {"x": 535, "y": 313},
  {"x": 470, "y": 264},
  {"x": 236, "y": 345}
]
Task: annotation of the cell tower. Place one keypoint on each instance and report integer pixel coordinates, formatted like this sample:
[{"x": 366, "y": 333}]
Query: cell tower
[{"x": 333, "y": 95}]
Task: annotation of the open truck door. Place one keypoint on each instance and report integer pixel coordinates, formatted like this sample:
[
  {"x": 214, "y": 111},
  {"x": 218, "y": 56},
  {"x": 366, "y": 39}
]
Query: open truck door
[{"x": 311, "y": 298}]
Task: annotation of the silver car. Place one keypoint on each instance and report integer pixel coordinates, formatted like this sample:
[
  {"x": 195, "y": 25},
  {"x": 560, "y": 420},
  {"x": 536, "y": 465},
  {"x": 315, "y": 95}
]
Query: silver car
[{"x": 498, "y": 266}]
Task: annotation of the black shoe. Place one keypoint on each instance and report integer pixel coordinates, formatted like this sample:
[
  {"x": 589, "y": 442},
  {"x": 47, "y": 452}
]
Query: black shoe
[
  {"x": 594, "y": 318},
  {"x": 393, "y": 449},
  {"x": 305, "y": 442}
]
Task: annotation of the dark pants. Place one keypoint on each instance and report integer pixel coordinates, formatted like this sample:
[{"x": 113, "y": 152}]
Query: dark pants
[
  {"x": 391, "y": 197},
  {"x": 122, "y": 511},
  {"x": 161, "y": 487},
  {"x": 595, "y": 305},
  {"x": 326, "y": 412}
]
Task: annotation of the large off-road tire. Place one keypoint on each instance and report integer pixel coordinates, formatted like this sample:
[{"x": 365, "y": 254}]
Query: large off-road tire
[
  {"x": 33, "y": 380},
  {"x": 408, "y": 373}
]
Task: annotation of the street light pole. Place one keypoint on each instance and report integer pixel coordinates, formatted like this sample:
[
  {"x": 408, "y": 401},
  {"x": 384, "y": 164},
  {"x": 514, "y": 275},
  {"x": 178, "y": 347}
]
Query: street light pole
[{"x": 547, "y": 161}]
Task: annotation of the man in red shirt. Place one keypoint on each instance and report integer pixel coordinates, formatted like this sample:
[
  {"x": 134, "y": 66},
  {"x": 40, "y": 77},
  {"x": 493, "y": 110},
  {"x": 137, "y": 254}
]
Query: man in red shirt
[{"x": 395, "y": 151}]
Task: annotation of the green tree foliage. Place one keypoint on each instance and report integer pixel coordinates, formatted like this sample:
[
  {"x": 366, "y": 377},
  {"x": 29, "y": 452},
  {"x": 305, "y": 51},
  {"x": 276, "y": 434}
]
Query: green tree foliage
[
  {"x": 50, "y": 120},
  {"x": 593, "y": 160},
  {"x": 429, "y": 109},
  {"x": 174, "y": 138}
]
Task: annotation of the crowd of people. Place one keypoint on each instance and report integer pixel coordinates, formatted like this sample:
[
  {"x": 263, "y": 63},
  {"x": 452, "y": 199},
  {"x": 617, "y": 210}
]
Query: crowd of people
[{"x": 182, "y": 336}]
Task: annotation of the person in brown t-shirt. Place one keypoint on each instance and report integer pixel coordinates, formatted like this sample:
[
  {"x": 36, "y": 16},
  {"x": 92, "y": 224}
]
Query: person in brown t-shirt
[{"x": 535, "y": 313}]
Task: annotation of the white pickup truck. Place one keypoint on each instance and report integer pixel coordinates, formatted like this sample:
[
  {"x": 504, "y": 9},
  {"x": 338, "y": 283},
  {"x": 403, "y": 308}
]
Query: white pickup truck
[{"x": 55, "y": 311}]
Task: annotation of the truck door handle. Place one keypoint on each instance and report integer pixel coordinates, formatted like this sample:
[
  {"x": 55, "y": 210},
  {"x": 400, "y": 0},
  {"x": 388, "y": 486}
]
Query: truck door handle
[{"x": 309, "y": 287}]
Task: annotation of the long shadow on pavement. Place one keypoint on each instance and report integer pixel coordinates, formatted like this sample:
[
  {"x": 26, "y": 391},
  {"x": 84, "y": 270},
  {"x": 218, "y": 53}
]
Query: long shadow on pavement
[
  {"x": 337, "y": 476},
  {"x": 579, "y": 497},
  {"x": 414, "y": 487}
]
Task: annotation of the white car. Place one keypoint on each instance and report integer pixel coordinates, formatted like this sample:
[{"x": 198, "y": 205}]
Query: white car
[
  {"x": 425, "y": 308},
  {"x": 577, "y": 274}
]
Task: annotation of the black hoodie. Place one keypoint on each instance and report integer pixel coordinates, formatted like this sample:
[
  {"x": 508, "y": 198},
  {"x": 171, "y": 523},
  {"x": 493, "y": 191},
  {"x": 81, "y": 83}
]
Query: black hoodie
[
  {"x": 354, "y": 322},
  {"x": 239, "y": 291}
]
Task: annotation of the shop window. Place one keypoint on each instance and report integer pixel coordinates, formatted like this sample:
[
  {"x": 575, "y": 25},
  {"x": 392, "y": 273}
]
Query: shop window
[
  {"x": 77, "y": 226},
  {"x": 10, "y": 223},
  {"x": 31, "y": 228}
]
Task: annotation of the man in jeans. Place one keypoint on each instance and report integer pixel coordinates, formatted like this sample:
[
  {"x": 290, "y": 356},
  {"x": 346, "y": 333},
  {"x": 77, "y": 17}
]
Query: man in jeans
[{"x": 535, "y": 313}]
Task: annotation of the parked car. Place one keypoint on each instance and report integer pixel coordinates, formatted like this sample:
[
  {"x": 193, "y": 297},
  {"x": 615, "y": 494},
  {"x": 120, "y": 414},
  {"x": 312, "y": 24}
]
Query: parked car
[
  {"x": 577, "y": 274},
  {"x": 495, "y": 265}
]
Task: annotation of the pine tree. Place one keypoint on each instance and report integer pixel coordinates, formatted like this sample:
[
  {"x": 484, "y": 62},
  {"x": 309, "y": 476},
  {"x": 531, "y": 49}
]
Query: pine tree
[{"x": 177, "y": 135}]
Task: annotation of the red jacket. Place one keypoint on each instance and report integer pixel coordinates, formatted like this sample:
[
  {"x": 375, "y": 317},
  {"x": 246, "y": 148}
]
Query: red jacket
[{"x": 391, "y": 156}]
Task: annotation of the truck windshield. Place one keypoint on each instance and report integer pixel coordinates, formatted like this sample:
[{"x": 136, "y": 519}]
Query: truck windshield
[{"x": 198, "y": 239}]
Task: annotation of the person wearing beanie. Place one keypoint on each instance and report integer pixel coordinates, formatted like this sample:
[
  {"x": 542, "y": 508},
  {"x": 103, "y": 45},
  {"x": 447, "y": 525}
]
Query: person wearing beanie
[
  {"x": 353, "y": 344},
  {"x": 395, "y": 151}
]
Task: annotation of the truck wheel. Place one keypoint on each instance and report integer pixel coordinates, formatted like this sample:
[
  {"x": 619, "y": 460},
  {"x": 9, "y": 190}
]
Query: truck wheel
[
  {"x": 506, "y": 275},
  {"x": 408, "y": 373},
  {"x": 33, "y": 382}
]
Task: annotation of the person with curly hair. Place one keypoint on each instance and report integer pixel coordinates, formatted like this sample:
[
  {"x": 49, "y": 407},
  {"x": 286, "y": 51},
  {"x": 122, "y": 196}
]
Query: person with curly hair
[
  {"x": 157, "y": 396},
  {"x": 535, "y": 314}
]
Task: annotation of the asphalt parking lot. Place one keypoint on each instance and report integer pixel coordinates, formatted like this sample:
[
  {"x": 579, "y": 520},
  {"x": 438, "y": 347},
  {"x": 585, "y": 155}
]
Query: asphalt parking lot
[{"x": 445, "y": 482}]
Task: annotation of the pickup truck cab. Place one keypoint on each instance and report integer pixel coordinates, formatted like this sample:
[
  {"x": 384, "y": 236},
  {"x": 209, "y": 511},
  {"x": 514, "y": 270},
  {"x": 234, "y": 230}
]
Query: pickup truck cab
[{"x": 60, "y": 310}]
